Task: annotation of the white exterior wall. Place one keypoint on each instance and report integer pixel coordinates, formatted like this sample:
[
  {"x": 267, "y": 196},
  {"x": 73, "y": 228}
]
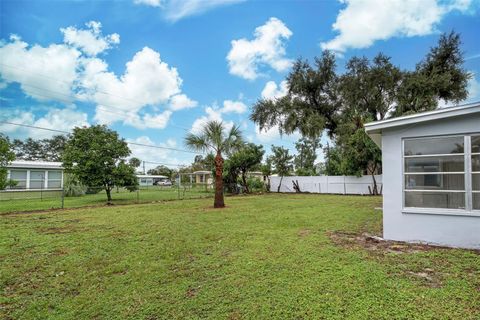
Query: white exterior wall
[
  {"x": 432, "y": 227},
  {"x": 327, "y": 184}
]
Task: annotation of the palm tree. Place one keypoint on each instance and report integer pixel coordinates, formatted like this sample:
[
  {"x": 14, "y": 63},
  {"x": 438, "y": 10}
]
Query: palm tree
[{"x": 215, "y": 137}]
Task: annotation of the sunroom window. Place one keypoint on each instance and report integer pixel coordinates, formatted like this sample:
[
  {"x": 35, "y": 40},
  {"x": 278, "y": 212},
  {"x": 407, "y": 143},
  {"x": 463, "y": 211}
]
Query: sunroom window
[
  {"x": 475, "y": 142},
  {"x": 437, "y": 173}
]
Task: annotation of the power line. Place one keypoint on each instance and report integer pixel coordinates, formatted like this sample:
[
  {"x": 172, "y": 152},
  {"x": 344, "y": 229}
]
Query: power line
[
  {"x": 132, "y": 143},
  {"x": 102, "y": 106}
]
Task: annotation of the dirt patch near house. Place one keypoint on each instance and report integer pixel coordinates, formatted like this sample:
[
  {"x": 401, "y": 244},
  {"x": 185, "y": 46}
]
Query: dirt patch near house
[
  {"x": 391, "y": 252},
  {"x": 374, "y": 243}
]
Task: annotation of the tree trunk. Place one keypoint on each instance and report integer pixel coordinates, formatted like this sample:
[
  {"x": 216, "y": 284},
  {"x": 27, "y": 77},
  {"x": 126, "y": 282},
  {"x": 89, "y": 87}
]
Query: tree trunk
[
  {"x": 375, "y": 188},
  {"x": 109, "y": 195},
  {"x": 219, "y": 202},
  {"x": 245, "y": 184},
  {"x": 280, "y": 184}
]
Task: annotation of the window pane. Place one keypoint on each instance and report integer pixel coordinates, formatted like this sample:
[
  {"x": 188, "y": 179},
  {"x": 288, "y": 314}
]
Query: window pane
[
  {"x": 37, "y": 184},
  {"x": 446, "y": 200},
  {"x": 476, "y": 201},
  {"x": 476, "y": 162},
  {"x": 37, "y": 175},
  {"x": 441, "y": 145},
  {"x": 18, "y": 174},
  {"x": 435, "y": 164},
  {"x": 435, "y": 181},
  {"x": 475, "y": 143},
  {"x": 54, "y": 184},
  {"x": 476, "y": 181},
  {"x": 54, "y": 175}
]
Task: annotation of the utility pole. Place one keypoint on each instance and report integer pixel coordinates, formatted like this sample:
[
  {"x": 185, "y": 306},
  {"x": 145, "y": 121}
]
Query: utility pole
[{"x": 144, "y": 167}]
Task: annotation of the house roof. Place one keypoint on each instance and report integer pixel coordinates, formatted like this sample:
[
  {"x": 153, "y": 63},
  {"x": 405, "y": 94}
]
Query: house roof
[
  {"x": 24, "y": 164},
  {"x": 150, "y": 176},
  {"x": 202, "y": 172},
  {"x": 374, "y": 129}
]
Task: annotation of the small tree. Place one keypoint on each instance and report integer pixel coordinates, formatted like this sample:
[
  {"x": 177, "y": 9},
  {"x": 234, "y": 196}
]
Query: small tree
[
  {"x": 97, "y": 157},
  {"x": 282, "y": 161},
  {"x": 267, "y": 171},
  {"x": 6, "y": 156},
  {"x": 306, "y": 156},
  {"x": 247, "y": 158},
  {"x": 215, "y": 137}
]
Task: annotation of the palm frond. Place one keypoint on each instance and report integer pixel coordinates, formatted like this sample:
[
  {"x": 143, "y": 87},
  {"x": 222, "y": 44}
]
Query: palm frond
[{"x": 197, "y": 142}]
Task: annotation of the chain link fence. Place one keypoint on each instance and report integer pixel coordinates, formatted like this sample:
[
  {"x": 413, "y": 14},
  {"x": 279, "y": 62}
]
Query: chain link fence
[{"x": 33, "y": 200}]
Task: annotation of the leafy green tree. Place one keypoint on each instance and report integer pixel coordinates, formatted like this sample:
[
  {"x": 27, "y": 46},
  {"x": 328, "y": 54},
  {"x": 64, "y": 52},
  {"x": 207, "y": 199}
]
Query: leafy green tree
[
  {"x": 97, "y": 157},
  {"x": 306, "y": 156},
  {"x": 282, "y": 161},
  {"x": 52, "y": 149},
  {"x": 162, "y": 171},
  {"x": 318, "y": 99},
  {"x": 134, "y": 162},
  {"x": 246, "y": 159},
  {"x": 6, "y": 156},
  {"x": 362, "y": 154},
  {"x": 267, "y": 171},
  {"x": 333, "y": 161},
  {"x": 440, "y": 76},
  {"x": 46, "y": 149},
  {"x": 215, "y": 137},
  {"x": 311, "y": 104}
]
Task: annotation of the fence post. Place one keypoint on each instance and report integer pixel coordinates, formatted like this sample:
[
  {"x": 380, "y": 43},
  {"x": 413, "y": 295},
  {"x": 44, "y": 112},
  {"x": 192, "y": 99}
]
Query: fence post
[
  {"x": 63, "y": 198},
  {"x": 179, "y": 177},
  {"x": 344, "y": 186},
  {"x": 138, "y": 195}
]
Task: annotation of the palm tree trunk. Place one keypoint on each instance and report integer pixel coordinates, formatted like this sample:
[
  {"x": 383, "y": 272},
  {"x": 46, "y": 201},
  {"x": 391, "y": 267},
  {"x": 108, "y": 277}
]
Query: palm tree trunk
[{"x": 219, "y": 202}]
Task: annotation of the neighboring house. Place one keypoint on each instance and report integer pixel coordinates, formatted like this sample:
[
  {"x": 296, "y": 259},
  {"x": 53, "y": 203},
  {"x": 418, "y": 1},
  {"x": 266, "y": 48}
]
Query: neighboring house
[
  {"x": 35, "y": 175},
  {"x": 431, "y": 176},
  {"x": 149, "y": 180},
  {"x": 203, "y": 177}
]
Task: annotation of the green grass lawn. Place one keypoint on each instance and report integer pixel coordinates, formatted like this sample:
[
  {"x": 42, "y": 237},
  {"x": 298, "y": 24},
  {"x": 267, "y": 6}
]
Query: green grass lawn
[
  {"x": 266, "y": 257},
  {"x": 31, "y": 201}
]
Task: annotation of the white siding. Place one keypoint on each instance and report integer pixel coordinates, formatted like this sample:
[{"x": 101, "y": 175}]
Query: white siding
[{"x": 421, "y": 226}]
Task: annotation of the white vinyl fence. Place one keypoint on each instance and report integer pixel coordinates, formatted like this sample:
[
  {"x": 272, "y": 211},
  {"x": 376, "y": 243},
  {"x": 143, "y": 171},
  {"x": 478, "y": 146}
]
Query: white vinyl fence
[{"x": 327, "y": 184}]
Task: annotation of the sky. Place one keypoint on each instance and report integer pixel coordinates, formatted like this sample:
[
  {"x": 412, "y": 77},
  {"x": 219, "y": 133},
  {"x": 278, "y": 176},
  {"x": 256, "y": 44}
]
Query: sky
[{"x": 154, "y": 70}]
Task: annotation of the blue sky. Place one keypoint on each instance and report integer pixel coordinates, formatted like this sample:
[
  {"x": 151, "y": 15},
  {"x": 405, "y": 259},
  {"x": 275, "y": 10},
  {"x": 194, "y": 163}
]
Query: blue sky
[{"x": 155, "y": 69}]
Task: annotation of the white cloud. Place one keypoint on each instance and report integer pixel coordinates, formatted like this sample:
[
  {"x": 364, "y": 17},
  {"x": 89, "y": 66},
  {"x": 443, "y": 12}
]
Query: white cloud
[
  {"x": 274, "y": 91},
  {"x": 269, "y": 135},
  {"x": 266, "y": 49},
  {"x": 362, "y": 22},
  {"x": 473, "y": 90},
  {"x": 149, "y": 154},
  {"x": 72, "y": 71},
  {"x": 90, "y": 40},
  {"x": 44, "y": 73},
  {"x": 151, "y": 3},
  {"x": 212, "y": 114},
  {"x": 181, "y": 101},
  {"x": 233, "y": 106},
  {"x": 147, "y": 81},
  {"x": 58, "y": 119}
]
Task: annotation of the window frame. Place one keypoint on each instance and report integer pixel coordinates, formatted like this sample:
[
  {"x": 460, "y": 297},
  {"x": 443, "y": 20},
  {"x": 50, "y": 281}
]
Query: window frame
[{"x": 468, "y": 177}]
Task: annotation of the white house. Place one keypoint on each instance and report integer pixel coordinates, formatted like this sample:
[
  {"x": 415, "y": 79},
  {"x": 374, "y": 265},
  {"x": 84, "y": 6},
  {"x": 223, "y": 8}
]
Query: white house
[
  {"x": 431, "y": 176},
  {"x": 149, "y": 180},
  {"x": 35, "y": 175}
]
